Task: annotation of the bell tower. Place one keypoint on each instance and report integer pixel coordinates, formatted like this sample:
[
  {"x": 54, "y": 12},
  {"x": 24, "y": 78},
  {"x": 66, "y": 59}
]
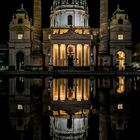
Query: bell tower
[
  {"x": 120, "y": 33},
  {"x": 19, "y": 40}
]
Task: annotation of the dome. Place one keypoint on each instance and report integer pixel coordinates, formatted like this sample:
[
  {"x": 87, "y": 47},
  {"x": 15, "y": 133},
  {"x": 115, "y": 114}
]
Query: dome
[
  {"x": 69, "y": 4},
  {"x": 21, "y": 10},
  {"x": 69, "y": 13}
]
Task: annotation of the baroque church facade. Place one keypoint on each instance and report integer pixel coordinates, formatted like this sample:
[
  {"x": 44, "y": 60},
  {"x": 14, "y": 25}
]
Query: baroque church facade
[{"x": 70, "y": 41}]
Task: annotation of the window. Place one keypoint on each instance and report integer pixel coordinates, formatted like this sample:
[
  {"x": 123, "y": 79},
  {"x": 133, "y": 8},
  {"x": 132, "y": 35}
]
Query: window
[
  {"x": 120, "y": 106},
  {"x": 20, "y": 36},
  {"x": 69, "y": 19},
  {"x": 70, "y": 1},
  {"x": 20, "y": 21},
  {"x": 120, "y": 21},
  {"x": 20, "y": 107},
  {"x": 120, "y": 37}
]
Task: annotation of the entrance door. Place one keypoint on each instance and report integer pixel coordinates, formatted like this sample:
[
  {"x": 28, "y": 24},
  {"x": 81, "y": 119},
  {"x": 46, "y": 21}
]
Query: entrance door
[
  {"x": 70, "y": 56},
  {"x": 70, "y": 60}
]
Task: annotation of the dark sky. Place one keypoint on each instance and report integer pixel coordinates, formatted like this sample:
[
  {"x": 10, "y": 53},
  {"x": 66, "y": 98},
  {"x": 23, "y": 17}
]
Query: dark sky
[{"x": 8, "y": 7}]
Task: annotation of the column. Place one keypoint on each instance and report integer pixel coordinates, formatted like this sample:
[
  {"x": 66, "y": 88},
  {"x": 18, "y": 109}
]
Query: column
[
  {"x": 75, "y": 55},
  {"x": 66, "y": 89},
  {"x": 58, "y": 89},
  {"x": 59, "y": 54},
  {"x": 66, "y": 55},
  {"x": 75, "y": 86},
  {"x": 52, "y": 56},
  {"x": 89, "y": 55},
  {"x": 37, "y": 21},
  {"x": 83, "y": 55},
  {"x": 82, "y": 89},
  {"x": 103, "y": 26}
]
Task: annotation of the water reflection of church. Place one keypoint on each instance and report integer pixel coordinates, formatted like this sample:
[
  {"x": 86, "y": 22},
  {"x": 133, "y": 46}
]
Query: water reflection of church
[
  {"x": 68, "y": 104},
  {"x": 70, "y": 108}
]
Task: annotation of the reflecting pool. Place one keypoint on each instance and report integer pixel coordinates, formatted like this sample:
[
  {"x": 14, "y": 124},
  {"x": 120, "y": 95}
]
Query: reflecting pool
[{"x": 70, "y": 108}]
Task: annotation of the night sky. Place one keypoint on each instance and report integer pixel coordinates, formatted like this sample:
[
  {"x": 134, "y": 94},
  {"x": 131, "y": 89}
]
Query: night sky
[{"x": 8, "y": 7}]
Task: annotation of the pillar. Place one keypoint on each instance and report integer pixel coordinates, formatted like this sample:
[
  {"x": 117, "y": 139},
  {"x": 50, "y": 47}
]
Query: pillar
[
  {"x": 103, "y": 48},
  {"x": 37, "y": 23}
]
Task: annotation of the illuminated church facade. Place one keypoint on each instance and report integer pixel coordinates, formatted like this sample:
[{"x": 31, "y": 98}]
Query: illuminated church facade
[{"x": 70, "y": 41}]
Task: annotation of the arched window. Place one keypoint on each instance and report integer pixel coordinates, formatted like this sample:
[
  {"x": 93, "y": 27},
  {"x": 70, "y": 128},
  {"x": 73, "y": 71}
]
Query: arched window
[
  {"x": 69, "y": 122},
  {"x": 69, "y": 19},
  {"x": 20, "y": 21},
  {"x": 20, "y": 60},
  {"x": 70, "y": 1},
  {"x": 120, "y": 21},
  {"x": 20, "y": 84},
  {"x": 121, "y": 60},
  {"x": 121, "y": 85}
]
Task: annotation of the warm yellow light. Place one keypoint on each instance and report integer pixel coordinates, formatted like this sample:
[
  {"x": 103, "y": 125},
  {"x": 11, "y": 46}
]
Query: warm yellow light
[
  {"x": 55, "y": 54},
  {"x": 55, "y": 113},
  {"x": 55, "y": 89},
  {"x": 55, "y": 31},
  {"x": 120, "y": 37},
  {"x": 63, "y": 31},
  {"x": 20, "y": 107},
  {"x": 120, "y": 106},
  {"x": 83, "y": 112},
  {"x": 20, "y": 36},
  {"x": 62, "y": 112},
  {"x": 63, "y": 55},
  {"x": 86, "y": 31},
  {"x": 121, "y": 85},
  {"x": 121, "y": 60},
  {"x": 62, "y": 92},
  {"x": 79, "y": 31}
]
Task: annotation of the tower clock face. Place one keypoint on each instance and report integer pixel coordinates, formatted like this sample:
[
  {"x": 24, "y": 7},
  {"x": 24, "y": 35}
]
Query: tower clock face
[{"x": 20, "y": 36}]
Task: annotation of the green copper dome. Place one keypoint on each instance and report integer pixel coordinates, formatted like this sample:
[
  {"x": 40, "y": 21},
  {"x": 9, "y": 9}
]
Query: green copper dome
[{"x": 22, "y": 10}]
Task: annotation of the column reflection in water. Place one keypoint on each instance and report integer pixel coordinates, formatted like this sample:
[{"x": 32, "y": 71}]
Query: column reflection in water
[
  {"x": 69, "y": 108},
  {"x": 73, "y": 108}
]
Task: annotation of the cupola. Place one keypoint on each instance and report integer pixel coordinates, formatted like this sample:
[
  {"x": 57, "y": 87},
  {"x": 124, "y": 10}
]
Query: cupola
[{"x": 69, "y": 13}]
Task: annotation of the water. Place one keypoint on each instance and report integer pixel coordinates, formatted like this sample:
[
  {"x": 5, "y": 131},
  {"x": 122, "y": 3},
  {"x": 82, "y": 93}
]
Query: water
[{"x": 69, "y": 108}]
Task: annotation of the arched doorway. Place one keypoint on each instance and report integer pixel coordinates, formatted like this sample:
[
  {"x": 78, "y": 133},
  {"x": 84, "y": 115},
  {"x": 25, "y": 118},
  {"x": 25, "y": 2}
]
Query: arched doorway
[
  {"x": 70, "y": 20},
  {"x": 70, "y": 57},
  {"x": 20, "y": 84},
  {"x": 19, "y": 61},
  {"x": 121, "y": 60}
]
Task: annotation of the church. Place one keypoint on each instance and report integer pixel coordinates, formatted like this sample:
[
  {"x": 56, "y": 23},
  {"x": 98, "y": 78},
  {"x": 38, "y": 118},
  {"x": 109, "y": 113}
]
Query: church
[{"x": 69, "y": 42}]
